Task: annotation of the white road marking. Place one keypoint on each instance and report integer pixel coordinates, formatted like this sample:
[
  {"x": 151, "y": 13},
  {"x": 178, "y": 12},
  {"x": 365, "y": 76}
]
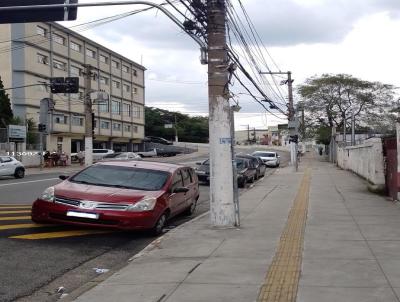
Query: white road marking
[{"x": 26, "y": 182}]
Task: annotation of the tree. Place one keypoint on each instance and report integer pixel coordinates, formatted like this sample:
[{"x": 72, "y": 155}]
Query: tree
[
  {"x": 329, "y": 99},
  {"x": 190, "y": 129},
  {"x": 6, "y": 113}
]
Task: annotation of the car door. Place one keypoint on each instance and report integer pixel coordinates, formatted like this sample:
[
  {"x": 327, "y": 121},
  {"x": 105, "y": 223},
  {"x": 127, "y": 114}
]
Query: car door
[
  {"x": 7, "y": 166},
  {"x": 176, "y": 200},
  {"x": 189, "y": 182}
]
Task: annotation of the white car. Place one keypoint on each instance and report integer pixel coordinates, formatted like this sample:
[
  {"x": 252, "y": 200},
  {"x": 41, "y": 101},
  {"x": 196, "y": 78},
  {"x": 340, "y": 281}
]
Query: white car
[
  {"x": 122, "y": 156},
  {"x": 9, "y": 166},
  {"x": 270, "y": 158},
  {"x": 98, "y": 154}
]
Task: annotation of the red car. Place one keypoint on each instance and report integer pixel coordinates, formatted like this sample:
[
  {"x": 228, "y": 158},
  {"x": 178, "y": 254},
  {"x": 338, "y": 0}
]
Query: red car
[{"x": 122, "y": 195}]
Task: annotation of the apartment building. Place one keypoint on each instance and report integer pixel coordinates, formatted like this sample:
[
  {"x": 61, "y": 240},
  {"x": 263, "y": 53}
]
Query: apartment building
[{"x": 31, "y": 53}]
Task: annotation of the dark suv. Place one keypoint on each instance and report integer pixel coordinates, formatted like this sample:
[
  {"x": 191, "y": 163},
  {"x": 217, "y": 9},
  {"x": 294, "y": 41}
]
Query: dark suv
[
  {"x": 158, "y": 140},
  {"x": 257, "y": 163}
]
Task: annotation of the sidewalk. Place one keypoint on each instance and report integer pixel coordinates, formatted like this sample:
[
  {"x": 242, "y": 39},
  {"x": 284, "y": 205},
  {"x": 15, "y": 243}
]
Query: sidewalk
[
  {"x": 317, "y": 234},
  {"x": 59, "y": 169}
]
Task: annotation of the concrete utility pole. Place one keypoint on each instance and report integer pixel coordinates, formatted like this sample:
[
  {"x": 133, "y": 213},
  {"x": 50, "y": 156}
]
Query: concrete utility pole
[
  {"x": 88, "y": 116},
  {"x": 222, "y": 210},
  {"x": 353, "y": 128},
  {"x": 176, "y": 129},
  {"x": 293, "y": 129},
  {"x": 344, "y": 128},
  {"x": 235, "y": 108}
]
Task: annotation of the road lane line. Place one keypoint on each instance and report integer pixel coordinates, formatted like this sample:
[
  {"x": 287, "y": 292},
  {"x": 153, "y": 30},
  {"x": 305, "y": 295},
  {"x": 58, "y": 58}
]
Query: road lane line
[
  {"x": 22, "y": 226},
  {"x": 14, "y": 218},
  {"x": 26, "y": 182},
  {"x": 15, "y": 212},
  {"x": 16, "y": 207},
  {"x": 51, "y": 235},
  {"x": 282, "y": 280}
]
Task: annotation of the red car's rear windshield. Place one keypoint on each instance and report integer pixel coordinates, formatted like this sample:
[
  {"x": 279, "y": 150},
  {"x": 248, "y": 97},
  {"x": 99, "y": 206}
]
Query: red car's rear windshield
[{"x": 122, "y": 177}]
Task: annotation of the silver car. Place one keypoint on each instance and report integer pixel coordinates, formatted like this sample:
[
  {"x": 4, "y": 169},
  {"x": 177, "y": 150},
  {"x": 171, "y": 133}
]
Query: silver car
[
  {"x": 122, "y": 156},
  {"x": 270, "y": 158}
]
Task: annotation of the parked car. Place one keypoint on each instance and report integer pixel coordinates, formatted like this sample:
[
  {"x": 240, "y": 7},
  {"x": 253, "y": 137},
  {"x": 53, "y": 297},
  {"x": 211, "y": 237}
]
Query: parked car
[
  {"x": 203, "y": 170},
  {"x": 122, "y": 156},
  {"x": 150, "y": 153},
  {"x": 98, "y": 154},
  {"x": 270, "y": 158},
  {"x": 166, "y": 153},
  {"x": 9, "y": 166},
  {"x": 259, "y": 165},
  {"x": 131, "y": 195},
  {"x": 246, "y": 171},
  {"x": 158, "y": 140}
]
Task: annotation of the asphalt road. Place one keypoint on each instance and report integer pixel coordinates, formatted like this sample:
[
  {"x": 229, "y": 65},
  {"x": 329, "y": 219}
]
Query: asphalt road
[{"x": 33, "y": 270}]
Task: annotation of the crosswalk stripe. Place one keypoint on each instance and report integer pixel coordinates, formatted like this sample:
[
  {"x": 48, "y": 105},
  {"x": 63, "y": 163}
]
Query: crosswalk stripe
[
  {"x": 15, "y": 212},
  {"x": 15, "y": 218},
  {"x": 21, "y": 226},
  {"x": 51, "y": 235},
  {"x": 15, "y": 207}
]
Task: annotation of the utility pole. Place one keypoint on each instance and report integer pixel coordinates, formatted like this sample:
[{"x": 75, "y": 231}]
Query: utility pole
[
  {"x": 235, "y": 108},
  {"x": 88, "y": 116},
  {"x": 293, "y": 129},
  {"x": 222, "y": 210},
  {"x": 254, "y": 135},
  {"x": 353, "y": 128},
  {"x": 344, "y": 128},
  {"x": 176, "y": 129}
]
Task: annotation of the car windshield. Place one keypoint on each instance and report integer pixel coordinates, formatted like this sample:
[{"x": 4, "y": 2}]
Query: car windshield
[
  {"x": 113, "y": 155},
  {"x": 122, "y": 177},
  {"x": 264, "y": 154}
]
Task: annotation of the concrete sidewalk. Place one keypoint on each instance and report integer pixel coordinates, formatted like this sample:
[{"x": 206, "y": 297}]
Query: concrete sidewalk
[{"x": 350, "y": 237}]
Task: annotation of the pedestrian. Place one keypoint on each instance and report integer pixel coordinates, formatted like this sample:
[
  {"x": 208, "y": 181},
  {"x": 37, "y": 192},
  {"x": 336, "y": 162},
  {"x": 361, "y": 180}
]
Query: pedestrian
[
  {"x": 81, "y": 157},
  {"x": 46, "y": 157},
  {"x": 63, "y": 159}
]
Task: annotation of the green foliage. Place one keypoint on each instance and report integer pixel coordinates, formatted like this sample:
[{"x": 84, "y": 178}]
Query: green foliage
[
  {"x": 6, "y": 113},
  {"x": 323, "y": 135},
  {"x": 329, "y": 99},
  {"x": 190, "y": 129}
]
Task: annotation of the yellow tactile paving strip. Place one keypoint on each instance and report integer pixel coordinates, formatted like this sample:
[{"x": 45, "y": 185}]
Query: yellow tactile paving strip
[{"x": 281, "y": 282}]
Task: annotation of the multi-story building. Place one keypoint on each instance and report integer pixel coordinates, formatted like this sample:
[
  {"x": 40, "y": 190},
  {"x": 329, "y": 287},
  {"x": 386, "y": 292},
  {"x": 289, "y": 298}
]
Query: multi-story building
[{"x": 31, "y": 53}]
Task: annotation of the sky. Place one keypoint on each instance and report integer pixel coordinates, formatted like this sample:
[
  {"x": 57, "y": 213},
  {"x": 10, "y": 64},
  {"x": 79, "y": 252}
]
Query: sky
[{"x": 306, "y": 37}]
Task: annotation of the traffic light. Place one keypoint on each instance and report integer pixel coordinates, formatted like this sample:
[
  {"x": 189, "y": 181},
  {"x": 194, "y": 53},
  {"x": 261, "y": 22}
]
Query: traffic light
[
  {"x": 71, "y": 85},
  {"x": 57, "y": 85},
  {"x": 294, "y": 139},
  {"x": 42, "y": 127},
  {"x": 36, "y": 15}
]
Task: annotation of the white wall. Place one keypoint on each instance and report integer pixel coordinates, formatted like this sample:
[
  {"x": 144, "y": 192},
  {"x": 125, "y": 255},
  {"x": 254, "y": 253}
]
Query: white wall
[{"x": 365, "y": 160}]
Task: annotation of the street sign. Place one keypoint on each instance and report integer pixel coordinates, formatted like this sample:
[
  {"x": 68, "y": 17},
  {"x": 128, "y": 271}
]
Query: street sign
[
  {"x": 25, "y": 15},
  {"x": 16, "y": 132},
  {"x": 168, "y": 126}
]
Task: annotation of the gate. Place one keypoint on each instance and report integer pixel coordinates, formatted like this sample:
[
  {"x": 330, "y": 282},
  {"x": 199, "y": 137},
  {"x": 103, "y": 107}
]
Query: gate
[{"x": 390, "y": 156}]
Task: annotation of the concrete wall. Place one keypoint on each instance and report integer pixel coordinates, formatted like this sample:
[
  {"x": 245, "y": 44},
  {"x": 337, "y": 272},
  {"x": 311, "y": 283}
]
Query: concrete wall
[{"x": 365, "y": 160}]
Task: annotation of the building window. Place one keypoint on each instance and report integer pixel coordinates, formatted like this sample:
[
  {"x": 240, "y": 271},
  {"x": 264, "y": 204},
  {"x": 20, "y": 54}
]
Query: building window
[
  {"x": 103, "y": 107},
  {"x": 58, "y": 39},
  {"x": 103, "y": 80},
  {"x": 75, "y": 46},
  {"x": 135, "y": 129},
  {"x": 117, "y": 126},
  {"x": 116, "y": 107},
  {"x": 105, "y": 125},
  {"x": 41, "y": 31},
  {"x": 125, "y": 68},
  {"x": 90, "y": 53},
  {"x": 134, "y": 72},
  {"x": 42, "y": 59},
  {"x": 75, "y": 71},
  {"x": 134, "y": 90},
  {"x": 127, "y": 128},
  {"x": 103, "y": 59},
  {"x": 61, "y": 119},
  {"x": 126, "y": 87},
  {"x": 114, "y": 64},
  {"x": 116, "y": 84},
  {"x": 136, "y": 111},
  {"x": 59, "y": 65},
  {"x": 126, "y": 108},
  {"x": 77, "y": 121}
]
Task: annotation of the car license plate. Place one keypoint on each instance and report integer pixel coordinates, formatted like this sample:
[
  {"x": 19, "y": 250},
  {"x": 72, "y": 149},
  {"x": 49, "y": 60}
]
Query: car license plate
[{"x": 82, "y": 215}]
